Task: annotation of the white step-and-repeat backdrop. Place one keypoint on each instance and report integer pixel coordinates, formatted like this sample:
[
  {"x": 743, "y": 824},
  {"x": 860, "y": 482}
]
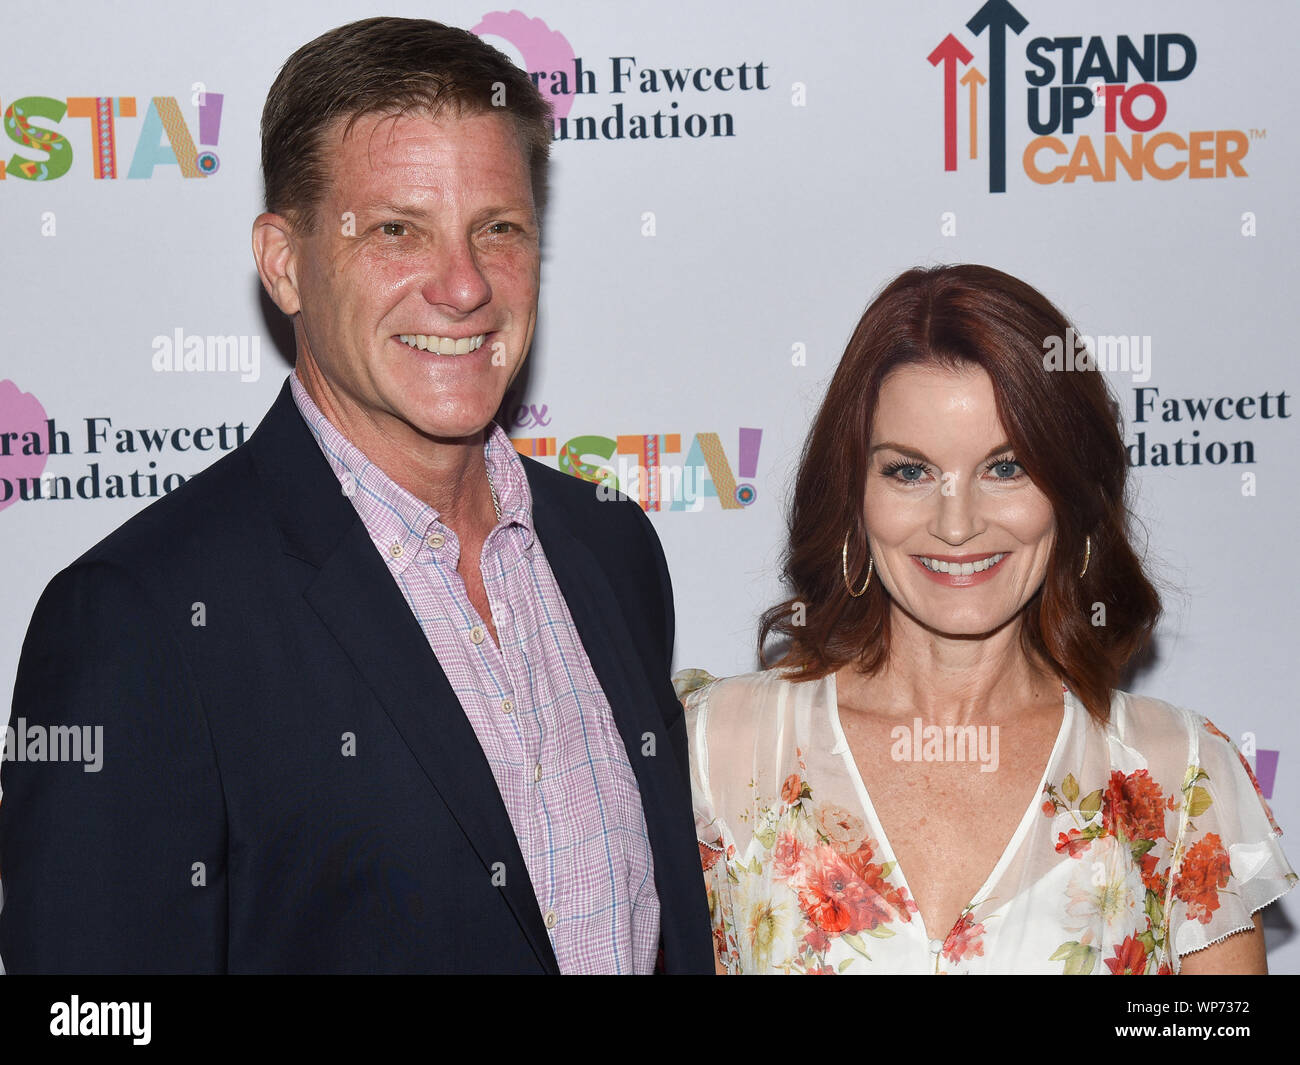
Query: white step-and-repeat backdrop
[{"x": 731, "y": 183}]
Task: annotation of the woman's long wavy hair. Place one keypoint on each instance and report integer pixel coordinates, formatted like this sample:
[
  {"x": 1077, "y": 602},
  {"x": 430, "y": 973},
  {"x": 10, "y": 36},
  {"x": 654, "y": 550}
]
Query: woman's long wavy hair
[{"x": 1064, "y": 429}]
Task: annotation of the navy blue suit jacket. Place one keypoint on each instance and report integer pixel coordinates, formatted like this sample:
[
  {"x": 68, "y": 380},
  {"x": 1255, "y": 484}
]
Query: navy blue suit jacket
[{"x": 226, "y": 830}]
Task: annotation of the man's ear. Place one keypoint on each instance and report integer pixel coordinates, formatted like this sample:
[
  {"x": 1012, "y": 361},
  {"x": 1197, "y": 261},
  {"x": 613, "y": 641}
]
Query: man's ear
[{"x": 274, "y": 247}]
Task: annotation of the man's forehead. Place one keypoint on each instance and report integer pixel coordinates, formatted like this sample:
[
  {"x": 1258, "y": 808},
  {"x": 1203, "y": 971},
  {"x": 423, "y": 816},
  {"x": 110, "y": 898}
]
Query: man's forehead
[
  {"x": 449, "y": 126},
  {"x": 410, "y": 155}
]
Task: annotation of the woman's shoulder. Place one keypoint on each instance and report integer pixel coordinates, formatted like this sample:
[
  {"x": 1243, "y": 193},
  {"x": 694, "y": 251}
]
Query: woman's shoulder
[
  {"x": 701, "y": 684},
  {"x": 1226, "y": 861},
  {"x": 736, "y": 720},
  {"x": 1192, "y": 744},
  {"x": 745, "y": 698},
  {"x": 747, "y": 734},
  {"x": 1155, "y": 722}
]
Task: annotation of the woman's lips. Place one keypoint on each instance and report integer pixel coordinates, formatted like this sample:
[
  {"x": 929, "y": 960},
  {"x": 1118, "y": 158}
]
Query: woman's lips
[{"x": 961, "y": 571}]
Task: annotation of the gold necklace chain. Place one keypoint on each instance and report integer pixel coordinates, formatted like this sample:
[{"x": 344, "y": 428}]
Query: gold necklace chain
[{"x": 496, "y": 503}]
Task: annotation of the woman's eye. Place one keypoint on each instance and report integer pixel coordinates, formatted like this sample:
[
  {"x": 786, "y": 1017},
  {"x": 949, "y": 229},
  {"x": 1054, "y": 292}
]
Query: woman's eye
[
  {"x": 905, "y": 471},
  {"x": 1006, "y": 469},
  {"x": 393, "y": 229}
]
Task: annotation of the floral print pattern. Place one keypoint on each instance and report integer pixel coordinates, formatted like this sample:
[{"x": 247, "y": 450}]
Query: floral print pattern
[
  {"x": 823, "y": 880},
  {"x": 1114, "y": 887},
  {"x": 1134, "y": 820},
  {"x": 966, "y": 940},
  {"x": 1121, "y": 865},
  {"x": 1204, "y": 873}
]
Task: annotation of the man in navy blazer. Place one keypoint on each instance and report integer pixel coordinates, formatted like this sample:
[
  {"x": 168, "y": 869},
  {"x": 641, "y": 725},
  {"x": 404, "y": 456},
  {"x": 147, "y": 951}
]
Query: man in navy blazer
[{"x": 289, "y": 780}]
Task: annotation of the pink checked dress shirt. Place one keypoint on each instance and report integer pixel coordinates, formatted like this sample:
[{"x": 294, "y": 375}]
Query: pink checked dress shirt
[{"x": 534, "y": 702}]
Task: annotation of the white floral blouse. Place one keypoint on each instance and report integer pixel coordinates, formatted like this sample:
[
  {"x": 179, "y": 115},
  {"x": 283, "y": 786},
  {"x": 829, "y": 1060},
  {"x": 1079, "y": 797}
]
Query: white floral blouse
[{"x": 1148, "y": 840}]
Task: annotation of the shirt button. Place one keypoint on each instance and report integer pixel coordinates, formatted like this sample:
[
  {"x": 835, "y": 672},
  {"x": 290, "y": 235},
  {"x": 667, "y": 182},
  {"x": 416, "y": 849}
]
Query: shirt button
[
  {"x": 476, "y": 634},
  {"x": 537, "y": 773},
  {"x": 436, "y": 540},
  {"x": 507, "y": 706},
  {"x": 936, "y": 945},
  {"x": 395, "y": 550},
  {"x": 551, "y": 919}
]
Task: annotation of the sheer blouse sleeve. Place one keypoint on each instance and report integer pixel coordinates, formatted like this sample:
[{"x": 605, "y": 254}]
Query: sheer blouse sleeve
[
  {"x": 711, "y": 831},
  {"x": 1227, "y": 861}
]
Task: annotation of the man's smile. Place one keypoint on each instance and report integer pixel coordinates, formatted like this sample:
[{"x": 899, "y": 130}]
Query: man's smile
[{"x": 443, "y": 345}]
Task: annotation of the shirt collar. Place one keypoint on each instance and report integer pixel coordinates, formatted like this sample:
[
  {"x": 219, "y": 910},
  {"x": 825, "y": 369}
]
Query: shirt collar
[
  {"x": 506, "y": 470},
  {"x": 397, "y": 521}
]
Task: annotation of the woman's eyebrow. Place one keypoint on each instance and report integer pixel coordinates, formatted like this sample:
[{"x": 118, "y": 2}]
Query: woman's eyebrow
[{"x": 913, "y": 453}]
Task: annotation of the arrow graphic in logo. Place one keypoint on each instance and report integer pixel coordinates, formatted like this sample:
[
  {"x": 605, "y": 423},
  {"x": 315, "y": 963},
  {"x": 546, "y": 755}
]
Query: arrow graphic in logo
[
  {"x": 950, "y": 52},
  {"x": 997, "y": 16},
  {"x": 974, "y": 79}
]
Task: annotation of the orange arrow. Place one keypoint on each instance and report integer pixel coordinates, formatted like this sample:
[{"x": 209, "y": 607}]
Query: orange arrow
[{"x": 974, "y": 79}]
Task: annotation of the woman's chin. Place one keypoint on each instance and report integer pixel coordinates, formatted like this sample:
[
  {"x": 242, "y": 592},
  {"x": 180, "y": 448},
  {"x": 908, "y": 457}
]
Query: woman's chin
[{"x": 964, "y": 625}]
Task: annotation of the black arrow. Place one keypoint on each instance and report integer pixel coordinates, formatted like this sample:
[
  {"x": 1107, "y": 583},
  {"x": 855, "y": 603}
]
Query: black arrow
[{"x": 997, "y": 16}]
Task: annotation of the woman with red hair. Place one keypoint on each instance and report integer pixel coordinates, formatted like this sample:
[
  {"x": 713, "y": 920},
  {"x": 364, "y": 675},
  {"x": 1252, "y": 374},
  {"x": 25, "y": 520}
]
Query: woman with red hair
[{"x": 941, "y": 773}]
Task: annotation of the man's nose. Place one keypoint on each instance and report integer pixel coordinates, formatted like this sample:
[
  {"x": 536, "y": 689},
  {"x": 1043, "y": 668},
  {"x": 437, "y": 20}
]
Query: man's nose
[{"x": 456, "y": 279}]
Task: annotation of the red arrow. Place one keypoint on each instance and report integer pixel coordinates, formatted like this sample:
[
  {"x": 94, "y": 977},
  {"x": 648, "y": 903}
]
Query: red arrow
[{"x": 950, "y": 52}]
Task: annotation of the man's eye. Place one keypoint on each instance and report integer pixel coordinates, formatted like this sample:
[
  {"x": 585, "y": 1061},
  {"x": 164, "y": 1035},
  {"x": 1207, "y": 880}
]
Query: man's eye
[
  {"x": 393, "y": 229},
  {"x": 499, "y": 229}
]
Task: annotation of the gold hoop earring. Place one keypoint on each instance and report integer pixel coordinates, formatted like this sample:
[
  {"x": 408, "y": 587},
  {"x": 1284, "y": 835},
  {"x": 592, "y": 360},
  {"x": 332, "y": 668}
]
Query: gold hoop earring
[
  {"x": 844, "y": 565},
  {"x": 1087, "y": 556}
]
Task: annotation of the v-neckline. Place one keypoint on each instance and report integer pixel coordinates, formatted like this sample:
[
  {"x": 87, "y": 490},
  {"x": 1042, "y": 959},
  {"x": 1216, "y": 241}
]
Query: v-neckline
[{"x": 1017, "y": 837}]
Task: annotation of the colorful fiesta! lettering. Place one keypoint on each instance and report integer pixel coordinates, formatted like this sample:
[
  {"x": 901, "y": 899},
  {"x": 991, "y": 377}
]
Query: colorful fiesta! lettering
[
  {"x": 639, "y": 466},
  {"x": 1077, "y": 80},
  {"x": 164, "y": 138}
]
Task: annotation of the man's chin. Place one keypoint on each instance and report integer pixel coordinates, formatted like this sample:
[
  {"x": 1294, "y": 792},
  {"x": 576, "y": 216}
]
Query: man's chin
[
  {"x": 442, "y": 413},
  {"x": 461, "y": 429}
]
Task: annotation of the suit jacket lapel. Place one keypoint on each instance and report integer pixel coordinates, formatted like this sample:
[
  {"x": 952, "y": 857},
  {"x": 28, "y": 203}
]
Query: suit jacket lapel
[{"x": 366, "y": 613}]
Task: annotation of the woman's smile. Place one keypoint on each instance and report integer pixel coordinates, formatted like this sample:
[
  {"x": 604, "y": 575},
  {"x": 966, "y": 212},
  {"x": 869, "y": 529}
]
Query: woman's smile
[{"x": 961, "y": 571}]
